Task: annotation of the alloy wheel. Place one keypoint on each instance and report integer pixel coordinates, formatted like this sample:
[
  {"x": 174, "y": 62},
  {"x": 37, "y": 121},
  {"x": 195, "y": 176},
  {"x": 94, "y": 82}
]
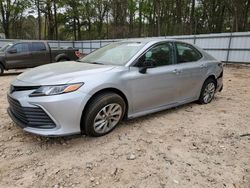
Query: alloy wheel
[
  {"x": 209, "y": 92},
  {"x": 107, "y": 118}
]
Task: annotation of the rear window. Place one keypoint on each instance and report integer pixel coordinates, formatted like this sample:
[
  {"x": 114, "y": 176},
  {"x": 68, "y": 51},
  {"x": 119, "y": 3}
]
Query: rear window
[
  {"x": 187, "y": 53},
  {"x": 38, "y": 46}
]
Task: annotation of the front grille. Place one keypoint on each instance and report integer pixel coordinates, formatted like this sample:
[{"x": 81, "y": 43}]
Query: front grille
[
  {"x": 30, "y": 117},
  {"x": 22, "y": 88}
]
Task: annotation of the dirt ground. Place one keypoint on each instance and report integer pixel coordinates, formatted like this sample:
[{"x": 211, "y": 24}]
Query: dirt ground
[{"x": 189, "y": 146}]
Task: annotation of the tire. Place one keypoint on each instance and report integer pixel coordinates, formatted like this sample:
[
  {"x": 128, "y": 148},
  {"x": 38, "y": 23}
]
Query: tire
[
  {"x": 61, "y": 60},
  {"x": 1, "y": 69},
  {"x": 207, "y": 91},
  {"x": 103, "y": 114}
]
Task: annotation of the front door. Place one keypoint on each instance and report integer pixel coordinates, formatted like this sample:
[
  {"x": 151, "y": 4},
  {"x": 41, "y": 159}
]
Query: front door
[
  {"x": 18, "y": 56},
  {"x": 158, "y": 86}
]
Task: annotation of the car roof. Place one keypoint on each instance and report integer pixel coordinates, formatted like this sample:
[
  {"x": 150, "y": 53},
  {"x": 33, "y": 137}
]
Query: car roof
[{"x": 151, "y": 40}]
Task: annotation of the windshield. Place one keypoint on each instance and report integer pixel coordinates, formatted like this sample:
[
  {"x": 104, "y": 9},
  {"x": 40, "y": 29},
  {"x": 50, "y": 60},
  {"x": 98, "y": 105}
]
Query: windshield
[
  {"x": 118, "y": 53},
  {"x": 5, "y": 47}
]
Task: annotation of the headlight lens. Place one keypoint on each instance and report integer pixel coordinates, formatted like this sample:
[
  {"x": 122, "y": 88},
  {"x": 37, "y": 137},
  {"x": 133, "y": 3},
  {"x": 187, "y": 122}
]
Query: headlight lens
[{"x": 55, "y": 90}]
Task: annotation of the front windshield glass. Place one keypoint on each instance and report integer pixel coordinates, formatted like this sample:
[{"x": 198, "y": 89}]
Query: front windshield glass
[
  {"x": 5, "y": 47},
  {"x": 118, "y": 53}
]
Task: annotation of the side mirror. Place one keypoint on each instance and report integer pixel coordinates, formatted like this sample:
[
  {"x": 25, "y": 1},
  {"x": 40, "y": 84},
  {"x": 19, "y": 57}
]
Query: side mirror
[
  {"x": 146, "y": 64},
  {"x": 12, "y": 51}
]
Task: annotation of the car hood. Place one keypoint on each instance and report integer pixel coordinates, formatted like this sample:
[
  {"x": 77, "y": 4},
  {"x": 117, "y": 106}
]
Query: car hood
[{"x": 59, "y": 73}]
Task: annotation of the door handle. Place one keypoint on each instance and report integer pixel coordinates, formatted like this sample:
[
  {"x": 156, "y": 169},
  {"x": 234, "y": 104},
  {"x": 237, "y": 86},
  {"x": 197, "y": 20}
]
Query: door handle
[
  {"x": 203, "y": 66},
  {"x": 176, "y": 71}
]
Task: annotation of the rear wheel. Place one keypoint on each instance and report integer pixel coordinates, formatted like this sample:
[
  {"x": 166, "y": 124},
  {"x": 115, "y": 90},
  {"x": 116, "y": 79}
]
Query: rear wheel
[
  {"x": 207, "y": 91},
  {"x": 1, "y": 69},
  {"x": 103, "y": 114}
]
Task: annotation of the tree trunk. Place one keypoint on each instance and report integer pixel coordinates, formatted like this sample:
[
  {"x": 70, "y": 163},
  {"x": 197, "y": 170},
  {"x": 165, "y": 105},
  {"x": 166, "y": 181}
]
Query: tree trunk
[
  {"x": 158, "y": 18},
  {"x": 99, "y": 28},
  {"x": 5, "y": 13},
  {"x": 74, "y": 28},
  {"x": 79, "y": 29},
  {"x": 55, "y": 19},
  {"x": 140, "y": 18},
  {"x": 192, "y": 19},
  {"x": 246, "y": 16},
  {"x": 89, "y": 28},
  {"x": 179, "y": 16},
  {"x": 131, "y": 24},
  {"x": 107, "y": 29},
  {"x": 220, "y": 22},
  {"x": 50, "y": 21},
  {"x": 39, "y": 20},
  {"x": 45, "y": 26}
]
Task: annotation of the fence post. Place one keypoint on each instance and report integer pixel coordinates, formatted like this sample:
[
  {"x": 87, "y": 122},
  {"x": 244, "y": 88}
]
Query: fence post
[
  {"x": 229, "y": 46},
  {"x": 90, "y": 45},
  {"x": 82, "y": 46}
]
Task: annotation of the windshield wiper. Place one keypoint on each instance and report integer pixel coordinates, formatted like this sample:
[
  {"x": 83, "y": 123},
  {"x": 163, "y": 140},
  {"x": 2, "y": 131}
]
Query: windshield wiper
[{"x": 98, "y": 63}]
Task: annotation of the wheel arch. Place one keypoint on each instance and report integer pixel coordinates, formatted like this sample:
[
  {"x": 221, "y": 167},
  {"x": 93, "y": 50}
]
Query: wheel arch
[
  {"x": 211, "y": 77},
  {"x": 104, "y": 90},
  {"x": 61, "y": 56}
]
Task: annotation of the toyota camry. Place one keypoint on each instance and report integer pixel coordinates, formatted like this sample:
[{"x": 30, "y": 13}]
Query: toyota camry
[{"x": 122, "y": 80}]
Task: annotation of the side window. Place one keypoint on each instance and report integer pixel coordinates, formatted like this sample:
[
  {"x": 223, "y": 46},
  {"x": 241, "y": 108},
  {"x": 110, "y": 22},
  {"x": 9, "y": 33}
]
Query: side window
[
  {"x": 38, "y": 47},
  {"x": 21, "y": 47},
  {"x": 186, "y": 53},
  {"x": 160, "y": 55}
]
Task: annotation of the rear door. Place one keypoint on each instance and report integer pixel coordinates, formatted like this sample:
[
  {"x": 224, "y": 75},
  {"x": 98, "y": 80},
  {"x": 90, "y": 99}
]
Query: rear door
[
  {"x": 18, "y": 56},
  {"x": 191, "y": 71},
  {"x": 40, "y": 55}
]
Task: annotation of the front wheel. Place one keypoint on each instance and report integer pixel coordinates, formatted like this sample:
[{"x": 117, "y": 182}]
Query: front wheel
[
  {"x": 103, "y": 114},
  {"x": 207, "y": 91}
]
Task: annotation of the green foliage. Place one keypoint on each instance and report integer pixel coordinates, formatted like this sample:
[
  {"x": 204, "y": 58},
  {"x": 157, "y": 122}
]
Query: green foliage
[{"x": 100, "y": 19}]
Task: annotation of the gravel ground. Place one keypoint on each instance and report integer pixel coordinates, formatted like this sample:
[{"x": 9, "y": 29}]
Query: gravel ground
[{"x": 189, "y": 146}]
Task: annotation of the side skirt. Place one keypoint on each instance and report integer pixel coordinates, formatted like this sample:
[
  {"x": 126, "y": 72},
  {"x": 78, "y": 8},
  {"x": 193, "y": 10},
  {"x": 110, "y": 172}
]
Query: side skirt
[{"x": 158, "y": 109}]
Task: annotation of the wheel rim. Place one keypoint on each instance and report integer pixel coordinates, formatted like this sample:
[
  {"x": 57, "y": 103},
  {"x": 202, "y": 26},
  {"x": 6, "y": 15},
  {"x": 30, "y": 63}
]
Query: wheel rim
[
  {"x": 107, "y": 118},
  {"x": 209, "y": 92}
]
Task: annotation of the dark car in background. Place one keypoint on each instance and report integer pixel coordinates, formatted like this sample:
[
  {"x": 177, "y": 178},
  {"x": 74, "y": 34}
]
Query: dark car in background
[{"x": 28, "y": 54}]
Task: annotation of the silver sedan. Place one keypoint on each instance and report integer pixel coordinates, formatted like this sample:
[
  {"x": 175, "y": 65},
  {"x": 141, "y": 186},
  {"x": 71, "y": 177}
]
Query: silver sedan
[{"x": 122, "y": 80}]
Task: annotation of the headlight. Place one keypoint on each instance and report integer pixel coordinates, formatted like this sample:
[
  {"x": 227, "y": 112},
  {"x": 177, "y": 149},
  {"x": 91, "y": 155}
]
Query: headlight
[{"x": 55, "y": 90}]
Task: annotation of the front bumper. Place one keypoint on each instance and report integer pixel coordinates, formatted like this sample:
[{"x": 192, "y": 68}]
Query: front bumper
[{"x": 64, "y": 110}]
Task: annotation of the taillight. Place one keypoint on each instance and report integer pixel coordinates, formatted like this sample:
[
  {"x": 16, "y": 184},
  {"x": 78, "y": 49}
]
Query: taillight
[{"x": 78, "y": 54}]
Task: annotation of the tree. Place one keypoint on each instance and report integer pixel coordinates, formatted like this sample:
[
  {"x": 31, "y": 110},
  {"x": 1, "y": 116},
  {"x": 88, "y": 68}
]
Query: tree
[
  {"x": 11, "y": 11},
  {"x": 102, "y": 8},
  {"x": 99, "y": 19}
]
